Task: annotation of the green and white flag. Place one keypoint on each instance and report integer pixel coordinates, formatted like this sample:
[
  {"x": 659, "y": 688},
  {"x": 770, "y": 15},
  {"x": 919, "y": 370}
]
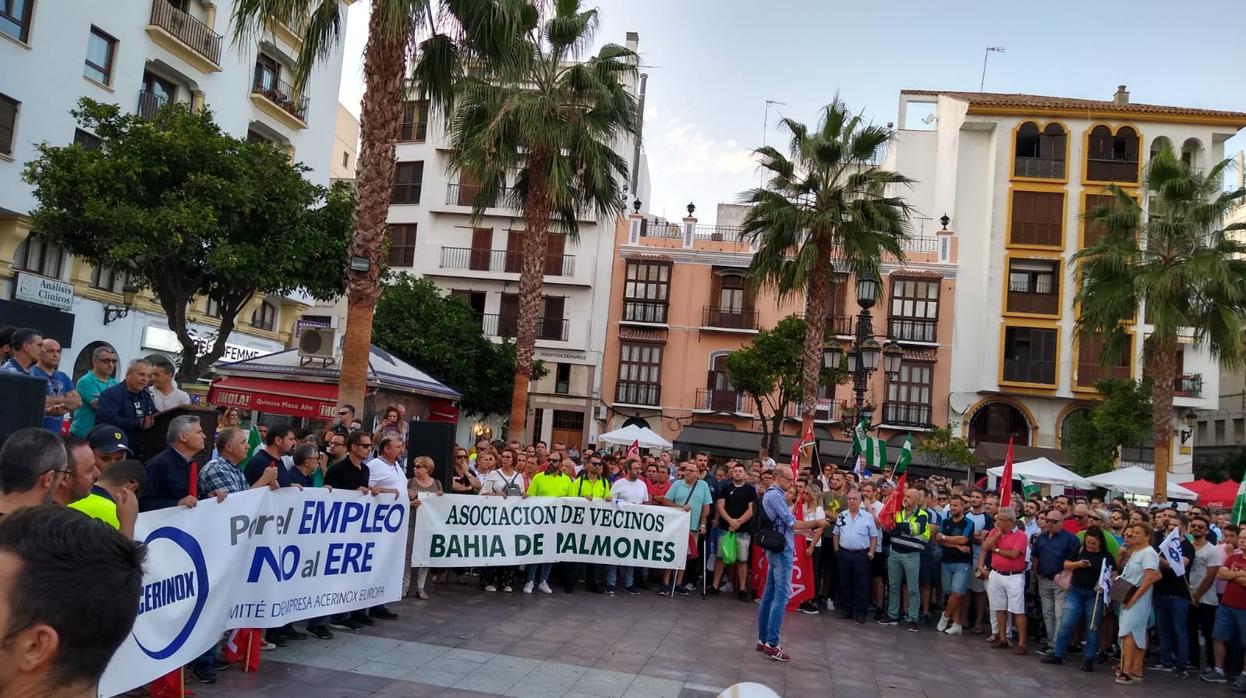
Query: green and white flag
[
  {"x": 858, "y": 437},
  {"x": 1028, "y": 489},
  {"x": 1239, "y": 504},
  {"x": 906, "y": 455},
  {"x": 875, "y": 452}
]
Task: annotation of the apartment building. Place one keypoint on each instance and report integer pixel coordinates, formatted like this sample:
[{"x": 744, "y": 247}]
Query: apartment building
[
  {"x": 140, "y": 55},
  {"x": 432, "y": 234},
  {"x": 678, "y": 308},
  {"x": 1016, "y": 174}
]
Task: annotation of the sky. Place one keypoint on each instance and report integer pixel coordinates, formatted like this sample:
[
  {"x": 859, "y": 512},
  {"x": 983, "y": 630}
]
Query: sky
[{"x": 712, "y": 65}]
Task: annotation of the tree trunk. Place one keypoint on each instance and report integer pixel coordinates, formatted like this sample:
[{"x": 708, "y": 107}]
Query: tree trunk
[
  {"x": 380, "y": 119},
  {"x": 816, "y": 299},
  {"x": 1161, "y": 369},
  {"x": 531, "y": 281}
]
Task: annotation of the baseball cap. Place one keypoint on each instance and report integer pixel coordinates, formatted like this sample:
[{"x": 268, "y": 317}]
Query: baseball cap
[{"x": 106, "y": 438}]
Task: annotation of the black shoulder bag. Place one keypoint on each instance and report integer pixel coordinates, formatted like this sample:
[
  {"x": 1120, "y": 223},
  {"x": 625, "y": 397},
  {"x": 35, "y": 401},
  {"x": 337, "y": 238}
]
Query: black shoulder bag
[{"x": 768, "y": 537}]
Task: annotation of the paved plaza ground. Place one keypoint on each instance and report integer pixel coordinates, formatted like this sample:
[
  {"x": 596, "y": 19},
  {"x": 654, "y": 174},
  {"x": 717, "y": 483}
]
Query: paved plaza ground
[{"x": 464, "y": 642}]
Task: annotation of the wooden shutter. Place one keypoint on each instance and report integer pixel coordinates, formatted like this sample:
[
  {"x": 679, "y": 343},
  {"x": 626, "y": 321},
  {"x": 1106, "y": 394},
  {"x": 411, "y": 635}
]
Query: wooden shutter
[
  {"x": 551, "y": 321},
  {"x": 8, "y": 123},
  {"x": 482, "y": 241},
  {"x": 554, "y": 247},
  {"x": 508, "y": 315},
  {"x": 514, "y": 251}
]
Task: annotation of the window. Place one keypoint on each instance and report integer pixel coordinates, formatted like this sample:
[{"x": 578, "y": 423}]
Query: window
[
  {"x": 646, "y": 292},
  {"x": 472, "y": 299},
  {"x": 909, "y": 396},
  {"x": 414, "y": 121},
  {"x": 401, "y": 245},
  {"x": 1037, "y": 219},
  {"x": 553, "y": 327},
  {"x": 8, "y": 122},
  {"x": 731, "y": 293},
  {"x": 1040, "y": 154},
  {"x": 213, "y": 308},
  {"x": 86, "y": 139},
  {"x": 562, "y": 379},
  {"x": 1089, "y": 363},
  {"x": 1112, "y": 157},
  {"x": 39, "y": 257},
  {"x": 1095, "y": 230},
  {"x": 408, "y": 176},
  {"x": 100, "y": 50},
  {"x": 1030, "y": 355},
  {"x": 267, "y": 72},
  {"x": 1033, "y": 286},
  {"x": 264, "y": 317},
  {"x": 345, "y": 160},
  {"x": 15, "y": 18},
  {"x": 640, "y": 370},
  {"x": 108, "y": 280},
  {"x": 914, "y": 309}
]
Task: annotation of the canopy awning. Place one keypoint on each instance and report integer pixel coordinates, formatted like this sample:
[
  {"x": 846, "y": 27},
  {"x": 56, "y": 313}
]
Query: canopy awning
[
  {"x": 1135, "y": 480},
  {"x": 631, "y": 433},
  {"x": 288, "y": 397},
  {"x": 1214, "y": 494},
  {"x": 1044, "y": 472}
]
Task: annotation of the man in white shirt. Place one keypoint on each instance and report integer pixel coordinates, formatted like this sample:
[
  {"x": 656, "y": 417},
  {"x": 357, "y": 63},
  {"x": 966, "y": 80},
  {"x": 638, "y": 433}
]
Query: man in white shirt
[
  {"x": 625, "y": 491},
  {"x": 164, "y": 390},
  {"x": 386, "y": 476}
]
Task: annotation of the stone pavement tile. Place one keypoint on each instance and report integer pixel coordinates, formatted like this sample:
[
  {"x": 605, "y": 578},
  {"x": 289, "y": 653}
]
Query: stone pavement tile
[
  {"x": 536, "y": 686},
  {"x": 382, "y": 669},
  {"x": 904, "y": 683},
  {"x": 532, "y": 649},
  {"x": 649, "y": 687},
  {"x": 663, "y": 668},
  {"x": 410, "y": 689},
  {"x": 341, "y": 662},
  {"x": 494, "y": 683},
  {"x": 474, "y": 656},
  {"x": 462, "y": 693},
  {"x": 412, "y": 654},
  {"x": 687, "y": 692},
  {"x": 443, "y": 671}
]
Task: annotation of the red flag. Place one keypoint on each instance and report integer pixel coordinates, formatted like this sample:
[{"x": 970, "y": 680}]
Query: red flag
[
  {"x": 887, "y": 517},
  {"x": 805, "y": 442},
  {"x": 1005, "y": 480},
  {"x": 243, "y": 646},
  {"x": 171, "y": 685},
  {"x": 802, "y": 575},
  {"x": 633, "y": 451},
  {"x": 194, "y": 479}
]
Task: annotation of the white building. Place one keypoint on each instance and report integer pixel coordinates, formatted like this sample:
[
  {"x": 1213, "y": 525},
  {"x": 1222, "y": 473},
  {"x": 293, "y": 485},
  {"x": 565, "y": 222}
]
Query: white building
[
  {"x": 1016, "y": 173},
  {"x": 432, "y": 235},
  {"x": 140, "y": 54}
]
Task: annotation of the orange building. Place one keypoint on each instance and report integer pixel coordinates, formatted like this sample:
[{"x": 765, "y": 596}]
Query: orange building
[{"x": 678, "y": 307}]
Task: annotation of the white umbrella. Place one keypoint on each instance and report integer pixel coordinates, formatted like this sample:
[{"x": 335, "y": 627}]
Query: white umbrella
[
  {"x": 1042, "y": 471},
  {"x": 633, "y": 433},
  {"x": 1135, "y": 480}
]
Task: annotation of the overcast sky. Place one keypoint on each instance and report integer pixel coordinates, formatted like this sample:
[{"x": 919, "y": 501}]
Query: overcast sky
[{"x": 712, "y": 65}]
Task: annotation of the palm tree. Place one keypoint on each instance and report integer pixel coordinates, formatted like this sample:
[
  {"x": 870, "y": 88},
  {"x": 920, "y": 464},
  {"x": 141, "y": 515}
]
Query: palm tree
[
  {"x": 826, "y": 202},
  {"x": 1178, "y": 262},
  {"x": 439, "y": 41},
  {"x": 546, "y": 124}
]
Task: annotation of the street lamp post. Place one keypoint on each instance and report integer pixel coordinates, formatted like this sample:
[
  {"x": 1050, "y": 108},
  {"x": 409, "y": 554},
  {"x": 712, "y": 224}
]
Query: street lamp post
[{"x": 864, "y": 351}]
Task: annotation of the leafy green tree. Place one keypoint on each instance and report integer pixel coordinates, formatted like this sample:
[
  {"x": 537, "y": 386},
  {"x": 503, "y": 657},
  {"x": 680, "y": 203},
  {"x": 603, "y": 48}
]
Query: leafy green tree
[
  {"x": 187, "y": 210},
  {"x": 944, "y": 449},
  {"x": 1179, "y": 261},
  {"x": 1229, "y": 467},
  {"x": 768, "y": 370},
  {"x": 438, "y": 42},
  {"x": 1092, "y": 438},
  {"x": 538, "y": 133},
  {"x": 443, "y": 337},
  {"x": 826, "y": 202}
]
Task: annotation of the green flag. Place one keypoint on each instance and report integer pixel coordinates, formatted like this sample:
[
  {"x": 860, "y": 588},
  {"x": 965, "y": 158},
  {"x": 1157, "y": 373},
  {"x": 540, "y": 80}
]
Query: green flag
[
  {"x": 1028, "y": 489},
  {"x": 1239, "y": 504},
  {"x": 858, "y": 437},
  {"x": 875, "y": 452},
  {"x": 253, "y": 442},
  {"x": 906, "y": 455}
]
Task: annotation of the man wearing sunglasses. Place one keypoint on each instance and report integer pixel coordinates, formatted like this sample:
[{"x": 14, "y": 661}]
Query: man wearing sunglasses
[{"x": 1052, "y": 547}]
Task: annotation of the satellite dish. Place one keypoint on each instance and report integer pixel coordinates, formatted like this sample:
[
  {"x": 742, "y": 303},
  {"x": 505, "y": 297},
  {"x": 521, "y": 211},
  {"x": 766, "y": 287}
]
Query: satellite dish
[{"x": 960, "y": 402}]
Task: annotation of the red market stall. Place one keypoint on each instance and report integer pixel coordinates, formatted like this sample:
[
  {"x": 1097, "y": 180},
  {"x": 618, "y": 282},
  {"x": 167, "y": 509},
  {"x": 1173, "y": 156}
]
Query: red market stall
[{"x": 1211, "y": 494}]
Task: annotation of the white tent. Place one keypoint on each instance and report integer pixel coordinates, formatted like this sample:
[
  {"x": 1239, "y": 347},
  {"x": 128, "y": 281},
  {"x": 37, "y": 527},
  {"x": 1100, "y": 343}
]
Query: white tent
[
  {"x": 1135, "y": 480},
  {"x": 1042, "y": 471},
  {"x": 632, "y": 433}
]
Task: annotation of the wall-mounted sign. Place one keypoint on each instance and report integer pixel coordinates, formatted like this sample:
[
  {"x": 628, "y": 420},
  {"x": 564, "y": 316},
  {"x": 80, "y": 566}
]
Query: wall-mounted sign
[
  {"x": 163, "y": 339},
  {"x": 44, "y": 291}
]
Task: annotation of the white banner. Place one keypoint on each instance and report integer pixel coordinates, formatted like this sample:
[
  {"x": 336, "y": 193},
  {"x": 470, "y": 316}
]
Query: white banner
[
  {"x": 457, "y": 530},
  {"x": 260, "y": 559}
]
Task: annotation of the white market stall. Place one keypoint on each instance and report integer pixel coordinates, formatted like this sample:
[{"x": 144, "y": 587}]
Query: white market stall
[
  {"x": 1139, "y": 481},
  {"x": 1043, "y": 471},
  {"x": 631, "y": 434}
]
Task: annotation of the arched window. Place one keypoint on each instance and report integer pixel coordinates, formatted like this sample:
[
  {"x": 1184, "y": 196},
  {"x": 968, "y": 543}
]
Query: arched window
[
  {"x": 1040, "y": 154},
  {"x": 39, "y": 257},
  {"x": 264, "y": 317},
  {"x": 1112, "y": 157},
  {"x": 1159, "y": 144},
  {"x": 1192, "y": 153}
]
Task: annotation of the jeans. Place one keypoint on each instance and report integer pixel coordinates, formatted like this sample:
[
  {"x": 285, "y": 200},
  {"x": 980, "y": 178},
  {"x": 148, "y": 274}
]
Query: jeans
[
  {"x": 612, "y": 575},
  {"x": 774, "y": 599},
  {"x": 1080, "y": 606},
  {"x": 1202, "y": 618},
  {"x": 205, "y": 664},
  {"x": 1170, "y": 622},
  {"x": 1052, "y": 598},
  {"x": 904, "y": 567},
  {"x": 854, "y": 582},
  {"x": 539, "y": 573}
]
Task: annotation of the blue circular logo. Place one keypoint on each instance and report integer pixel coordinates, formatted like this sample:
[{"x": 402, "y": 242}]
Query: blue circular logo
[{"x": 195, "y": 553}]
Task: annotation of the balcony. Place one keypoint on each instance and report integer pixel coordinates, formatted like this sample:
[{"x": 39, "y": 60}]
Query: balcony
[
  {"x": 505, "y": 261},
  {"x": 726, "y": 401},
  {"x": 825, "y": 411},
  {"x": 644, "y": 312},
  {"x": 741, "y": 319},
  {"x": 279, "y": 100},
  {"x": 465, "y": 195},
  {"x": 1033, "y": 303},
  {"x": 716, "y": 233},
  {"x": 185, "y": 36},
  {"x": 1089, "y": 372},
  {"x": 1188, "y": 385},
  {"x": 842, "y": 325},
  {"x": 1111, "y": 170},
  {"x": 1038, "y": 168},
  {"x": 911, "y": 330},
  {"x": 920, "y": 243},
  {"x": 1026, "y": 370},
  {"x": 635, "y": 393},
  {"x": 150, "y": 103},
  {"x": 549, "y": 329},
  {"x": 905, "y": 414}
]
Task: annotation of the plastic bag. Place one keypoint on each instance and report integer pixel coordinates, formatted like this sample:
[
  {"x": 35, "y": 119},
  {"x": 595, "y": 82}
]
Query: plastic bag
[{"x": 727, "y": 547}]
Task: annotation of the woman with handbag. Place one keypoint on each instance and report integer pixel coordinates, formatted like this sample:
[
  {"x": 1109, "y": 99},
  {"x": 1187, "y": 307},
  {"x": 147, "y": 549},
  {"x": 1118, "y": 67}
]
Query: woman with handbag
[
  {"x": 1084, "y": 602},
  {"x": 1132, "y": 589}
]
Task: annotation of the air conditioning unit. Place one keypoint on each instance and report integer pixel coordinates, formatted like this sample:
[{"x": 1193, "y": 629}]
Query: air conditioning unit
[
  {"x": 317, "y": 343},
  {"x": 601, "y": 412}
]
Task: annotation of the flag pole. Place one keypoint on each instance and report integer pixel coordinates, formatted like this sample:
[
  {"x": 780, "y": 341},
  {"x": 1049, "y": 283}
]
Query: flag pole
[{"x": 1094, "y": 609}]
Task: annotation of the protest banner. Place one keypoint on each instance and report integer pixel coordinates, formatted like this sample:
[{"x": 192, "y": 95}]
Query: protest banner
[
  {"x": 260, "y": 559},
  {"x": 457, "y": 530},
  {"x": 802, "y": 574}
]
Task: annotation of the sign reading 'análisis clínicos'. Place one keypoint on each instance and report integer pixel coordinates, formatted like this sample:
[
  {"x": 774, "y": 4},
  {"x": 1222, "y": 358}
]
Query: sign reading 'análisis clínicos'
[
  {"x": 457, "y": 530},
  {"x": 260, "y": 559}
]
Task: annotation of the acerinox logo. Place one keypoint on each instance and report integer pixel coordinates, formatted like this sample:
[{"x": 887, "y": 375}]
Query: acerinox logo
[{"x": 175, "y": 588}]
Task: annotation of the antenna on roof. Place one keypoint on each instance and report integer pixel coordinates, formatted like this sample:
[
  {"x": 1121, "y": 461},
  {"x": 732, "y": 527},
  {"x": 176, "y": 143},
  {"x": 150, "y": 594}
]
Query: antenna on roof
[{"x": 985, "y": 55}]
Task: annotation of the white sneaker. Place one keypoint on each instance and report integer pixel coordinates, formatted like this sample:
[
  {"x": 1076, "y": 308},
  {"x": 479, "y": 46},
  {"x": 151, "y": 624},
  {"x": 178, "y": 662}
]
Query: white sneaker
[
  {"x": 490, "y": 587},
  {"x": 506, "y": 588},
  {"x": 527, "y": 588},
  {"x": 726, "y": 588},
  {"x": 422, "y": 595},
  {"x": 943, "y": 622},
  {"x": 954, "y": 629},
  {"x": 544, "y": 588},
  {"x": 830, "y": 605}
]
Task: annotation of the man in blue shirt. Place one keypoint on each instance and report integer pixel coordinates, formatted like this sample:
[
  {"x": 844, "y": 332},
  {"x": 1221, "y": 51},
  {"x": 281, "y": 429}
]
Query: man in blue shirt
[
  {"x": 855, "y": 538},
  {"x": 62, "y": 396},
  {"x": 128, "y": 405},
  {"x": 1052, "y": 546},
  {"x": 693, "y": 495},
  {"x": 779, "y": 571}
]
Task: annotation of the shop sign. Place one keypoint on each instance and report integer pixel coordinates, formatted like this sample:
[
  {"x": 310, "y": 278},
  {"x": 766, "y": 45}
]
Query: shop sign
[{"x": 44, "y": 291}]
